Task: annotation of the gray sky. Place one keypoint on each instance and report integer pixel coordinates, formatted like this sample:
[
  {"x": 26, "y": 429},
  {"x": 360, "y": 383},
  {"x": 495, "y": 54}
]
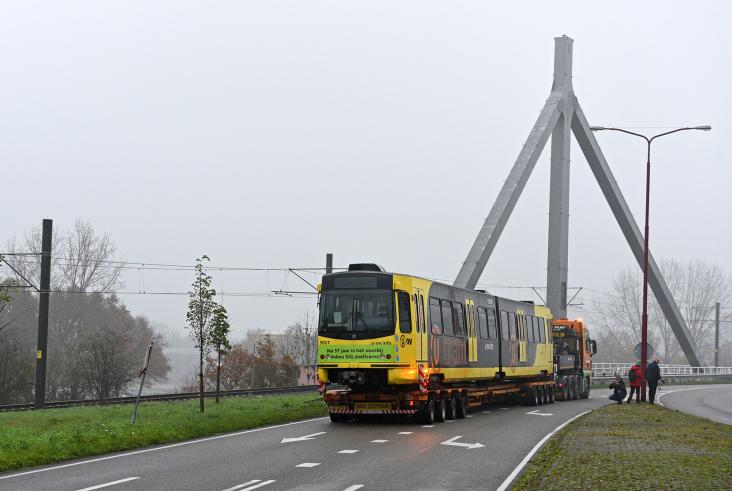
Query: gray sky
[{"x": 269, "y": 133}]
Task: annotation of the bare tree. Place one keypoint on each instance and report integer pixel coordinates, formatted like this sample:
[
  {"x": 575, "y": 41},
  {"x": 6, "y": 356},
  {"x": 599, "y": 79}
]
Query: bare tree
[{"x": 696, "y": 286}]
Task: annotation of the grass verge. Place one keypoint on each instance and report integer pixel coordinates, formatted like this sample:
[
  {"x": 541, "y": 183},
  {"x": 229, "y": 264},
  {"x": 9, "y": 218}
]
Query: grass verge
[
  {"x": 29, "y": 438},
  {"x": 633, "y": 446}
]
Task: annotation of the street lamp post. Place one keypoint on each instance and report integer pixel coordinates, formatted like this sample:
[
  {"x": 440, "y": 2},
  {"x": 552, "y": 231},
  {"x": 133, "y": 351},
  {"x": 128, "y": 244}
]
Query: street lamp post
[{"x": 644, "y": 316}]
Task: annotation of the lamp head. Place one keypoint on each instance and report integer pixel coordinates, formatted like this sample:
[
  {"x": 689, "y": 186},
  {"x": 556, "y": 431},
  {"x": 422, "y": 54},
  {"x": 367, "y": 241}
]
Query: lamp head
[
  {"x": 597, "y": 128},
  {"x": 703, "y": 128}
]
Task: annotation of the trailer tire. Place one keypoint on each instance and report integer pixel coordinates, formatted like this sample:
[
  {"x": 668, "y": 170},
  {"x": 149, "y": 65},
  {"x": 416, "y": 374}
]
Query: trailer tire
[
  {"x": 539, "y": 396},
  {"x": 427, "y": 414},
  {"x": 551, "y": 395},
  {"x": 565, "y": 389},
  {"x": 545, "y": 395},
  {"x": 462, "y": 406},
  {"x": 338, "y": 418},
  {"x": 575, "y": 388},
  {"x": 451, "y": 407},
  {"x": 586, "y": 392},
  {"x": 441, "y": 410}
]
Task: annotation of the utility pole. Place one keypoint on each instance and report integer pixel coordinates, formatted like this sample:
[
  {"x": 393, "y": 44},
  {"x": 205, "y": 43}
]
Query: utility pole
[
  {"x": 43, "y": 303},
  {"x": 328, "y": 263},
  {"x": 716, "y": 335}
]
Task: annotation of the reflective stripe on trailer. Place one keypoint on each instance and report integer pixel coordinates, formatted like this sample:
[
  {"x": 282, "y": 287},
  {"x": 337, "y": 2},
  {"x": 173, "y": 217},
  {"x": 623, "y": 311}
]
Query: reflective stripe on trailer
[{"x": 373, "y": 411}]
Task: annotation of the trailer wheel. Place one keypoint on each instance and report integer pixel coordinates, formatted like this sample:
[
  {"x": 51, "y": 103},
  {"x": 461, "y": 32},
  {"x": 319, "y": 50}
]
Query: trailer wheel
[
  {"x": 451, "y": 407},
  {"x": 427, "y": 414},
  {"x": 551, "y": 395},
  {"x": 575, "y": 388},
  {"x": 338, "y": 418},
  {"x": 441, "y": 410},
  {"x": 539, "y": 395},
  {"x": 545, "y": 394},
  {"x": 586, "y": 392},
  {"x": 462, "y": 407},
  {"x": 534, "y": 395}
]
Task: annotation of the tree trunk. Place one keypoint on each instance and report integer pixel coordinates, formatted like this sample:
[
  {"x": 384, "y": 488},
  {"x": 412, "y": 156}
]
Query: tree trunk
[
  {"x": 200, "y": 379},
  {"x": 218, "y": 375}
]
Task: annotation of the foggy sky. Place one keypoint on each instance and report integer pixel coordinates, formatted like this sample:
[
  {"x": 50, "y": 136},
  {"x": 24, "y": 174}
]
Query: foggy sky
[{"x": 267, "y": 133}]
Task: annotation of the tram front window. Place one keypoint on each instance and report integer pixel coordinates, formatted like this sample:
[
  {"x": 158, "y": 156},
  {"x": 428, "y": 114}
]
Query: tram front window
[{"x": 356, "y": 314}]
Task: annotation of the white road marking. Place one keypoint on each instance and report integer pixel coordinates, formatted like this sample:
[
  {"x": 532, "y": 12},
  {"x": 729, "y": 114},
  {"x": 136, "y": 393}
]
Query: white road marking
[
  {"x": 485, "y": 412},
  {"x": 263, "y": 483},
  {"x": 164, "y": 447},
  {"x": 302, "y": 438},
  {"x": 404, "y": 433},
  {"x": 379, "y": 441},
  {"x": 676, "y": 390},
  {"x": 239, "y": 486},
  {"x": 348, "y": 451},
  {"x": 468, "y": 416},
  {"x": 450, "y": 421},
  {"x": 106, "y": 484},
  {"x": 523, "y": 463},
  {"x": 537, "y": 412},
  {"x": 428, "y": 426},
  {"x": 469, "y": 446},
  {"x": 354, "y": 487},
  {"x": 308, "y": 464},
  {"x": 504, "y": 408}
]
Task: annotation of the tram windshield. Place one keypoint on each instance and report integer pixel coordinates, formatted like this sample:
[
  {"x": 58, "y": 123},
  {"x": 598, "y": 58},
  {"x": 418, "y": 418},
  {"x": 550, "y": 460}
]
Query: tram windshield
[{"x": 356, "y": 314}]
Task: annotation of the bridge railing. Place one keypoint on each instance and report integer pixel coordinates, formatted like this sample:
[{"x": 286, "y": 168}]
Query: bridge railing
[{"x": 607, "y": 370}]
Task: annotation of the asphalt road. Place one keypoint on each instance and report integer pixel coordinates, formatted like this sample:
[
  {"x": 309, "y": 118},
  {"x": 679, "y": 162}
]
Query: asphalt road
[
  {"x": 474, "y": 453},
  {"x": 708, "y": 401}
]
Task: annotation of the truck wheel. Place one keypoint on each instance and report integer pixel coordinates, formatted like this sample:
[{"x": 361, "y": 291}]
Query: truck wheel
[
  {"x": 586, "y": 392},
  {"x": 565, "y": 389},
  {"x": 427, "y": 414},
  {"x": 462, "y": 407},
  {"x": 441, "y": 410},
  {"x": 551, "y": 395},
  {"x": 545, "y": 394},
  {"x": 575, "y": 388},
  {"x": 539, "y": 396},
  {"x": 534, "y": 396}
]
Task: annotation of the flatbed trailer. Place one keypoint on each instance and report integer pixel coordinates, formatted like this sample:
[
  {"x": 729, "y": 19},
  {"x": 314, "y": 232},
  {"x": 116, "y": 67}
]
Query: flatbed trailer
[{"x": 434, "y": 404}]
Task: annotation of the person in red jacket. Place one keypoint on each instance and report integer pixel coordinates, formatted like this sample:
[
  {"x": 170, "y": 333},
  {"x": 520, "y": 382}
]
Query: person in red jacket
[{"x": 635, "y": 376}]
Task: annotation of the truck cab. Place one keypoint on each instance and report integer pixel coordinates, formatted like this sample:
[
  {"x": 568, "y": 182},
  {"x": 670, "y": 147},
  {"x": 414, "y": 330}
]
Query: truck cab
[{"x": 573, "y": 350}]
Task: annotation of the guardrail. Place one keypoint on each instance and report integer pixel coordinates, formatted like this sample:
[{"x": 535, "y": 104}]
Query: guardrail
[
  {"x": 607, "y": 371},
  {"x": 167, "y": 397}
]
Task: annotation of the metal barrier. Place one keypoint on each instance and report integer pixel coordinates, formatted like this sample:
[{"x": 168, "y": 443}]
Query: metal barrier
[
  {"x": 608, "y": 370},
  {"x": 168, "y": 397}
]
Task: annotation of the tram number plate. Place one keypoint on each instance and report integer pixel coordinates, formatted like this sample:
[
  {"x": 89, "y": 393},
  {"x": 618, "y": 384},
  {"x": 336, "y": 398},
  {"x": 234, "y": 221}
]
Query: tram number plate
[{"x": 373, "y": 406}]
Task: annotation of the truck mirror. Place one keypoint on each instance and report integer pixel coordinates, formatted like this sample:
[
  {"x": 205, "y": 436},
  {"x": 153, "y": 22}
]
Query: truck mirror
[{"x": 594, "y": 347}]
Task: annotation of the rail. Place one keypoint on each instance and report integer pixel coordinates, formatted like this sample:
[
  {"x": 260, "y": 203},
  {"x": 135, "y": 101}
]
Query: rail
[
  {"x": 167, "y": 397},
  {"x": 607, "y": 370}
]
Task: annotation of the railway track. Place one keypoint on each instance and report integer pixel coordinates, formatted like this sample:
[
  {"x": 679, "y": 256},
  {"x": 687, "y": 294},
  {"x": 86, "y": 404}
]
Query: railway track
[{"x": 298, "y": 389}]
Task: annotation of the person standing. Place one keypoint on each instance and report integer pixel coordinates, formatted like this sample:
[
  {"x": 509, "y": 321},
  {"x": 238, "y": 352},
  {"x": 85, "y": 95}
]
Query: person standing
[
  {"x": 635, "y": 377},
  {"x": 653, "y": 375}
]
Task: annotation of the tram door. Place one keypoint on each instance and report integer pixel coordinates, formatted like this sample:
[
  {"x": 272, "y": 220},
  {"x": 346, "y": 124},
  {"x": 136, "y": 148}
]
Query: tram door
[{"x": 420, "y": 324}]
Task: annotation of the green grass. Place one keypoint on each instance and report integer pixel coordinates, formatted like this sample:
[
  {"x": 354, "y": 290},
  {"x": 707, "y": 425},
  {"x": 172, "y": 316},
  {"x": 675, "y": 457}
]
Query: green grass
[
  {"x": 29, "y": 438},
  {"x": 633, "y": 446}
]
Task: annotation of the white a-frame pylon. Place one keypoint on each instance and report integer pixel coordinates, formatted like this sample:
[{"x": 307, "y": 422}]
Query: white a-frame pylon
[{"x": 561, "y": 115}]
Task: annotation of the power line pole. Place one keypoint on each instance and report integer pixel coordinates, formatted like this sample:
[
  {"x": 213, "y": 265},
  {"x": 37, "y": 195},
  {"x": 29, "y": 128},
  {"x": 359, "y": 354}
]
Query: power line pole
[
  {"x": 328, "y": 263},
  {"x": 43, "y": 303},
  {"x": 716, "y": 335}
]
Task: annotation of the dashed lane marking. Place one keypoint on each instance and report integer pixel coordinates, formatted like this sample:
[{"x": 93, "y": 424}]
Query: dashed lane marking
[
  {"x": 354, "y": 487},
  {"x": 404, "y": 433},
  {"x": 308, "y": 464},
  {"x": 428, "y": 426},
  {"x": 348, "y": 451},
  {"x": 379, "y": 441},
  {"x": 244, "y": 484},
  {"x": 486, "y": 412},
  {"x": 164, "y": 447},
  {"x": 468, "y": 416},
  {"x": 107, "y": 484}
]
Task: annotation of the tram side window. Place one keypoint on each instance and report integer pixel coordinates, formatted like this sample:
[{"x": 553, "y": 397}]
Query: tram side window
[
  {"x": 530, "y": 328},
  {"x": 542, "y": 330},
  {"x": 512, "y": 325},
  {"x": 504, "y": 325},
  {"x": 482, "y": 324},
  {"x": 405, "y": 313},
  {"x": 492, "y": 324},
  {"x": 447, "y": 328},
  {"x": 435, "y": 316},
  {"x": 458, "y": 311}
]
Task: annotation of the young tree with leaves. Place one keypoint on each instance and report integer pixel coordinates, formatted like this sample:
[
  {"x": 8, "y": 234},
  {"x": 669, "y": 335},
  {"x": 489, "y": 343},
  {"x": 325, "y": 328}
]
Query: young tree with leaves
[
  {"x": 201, "y": 306},
  {"x": 219, "y": 340}
]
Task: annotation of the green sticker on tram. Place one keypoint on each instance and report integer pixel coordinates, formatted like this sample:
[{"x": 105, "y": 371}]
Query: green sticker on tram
[{"x": 355, "y": 353}]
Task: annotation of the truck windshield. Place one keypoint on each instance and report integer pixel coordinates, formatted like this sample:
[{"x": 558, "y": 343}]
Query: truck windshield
[{"x": 356, "y": 314}]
